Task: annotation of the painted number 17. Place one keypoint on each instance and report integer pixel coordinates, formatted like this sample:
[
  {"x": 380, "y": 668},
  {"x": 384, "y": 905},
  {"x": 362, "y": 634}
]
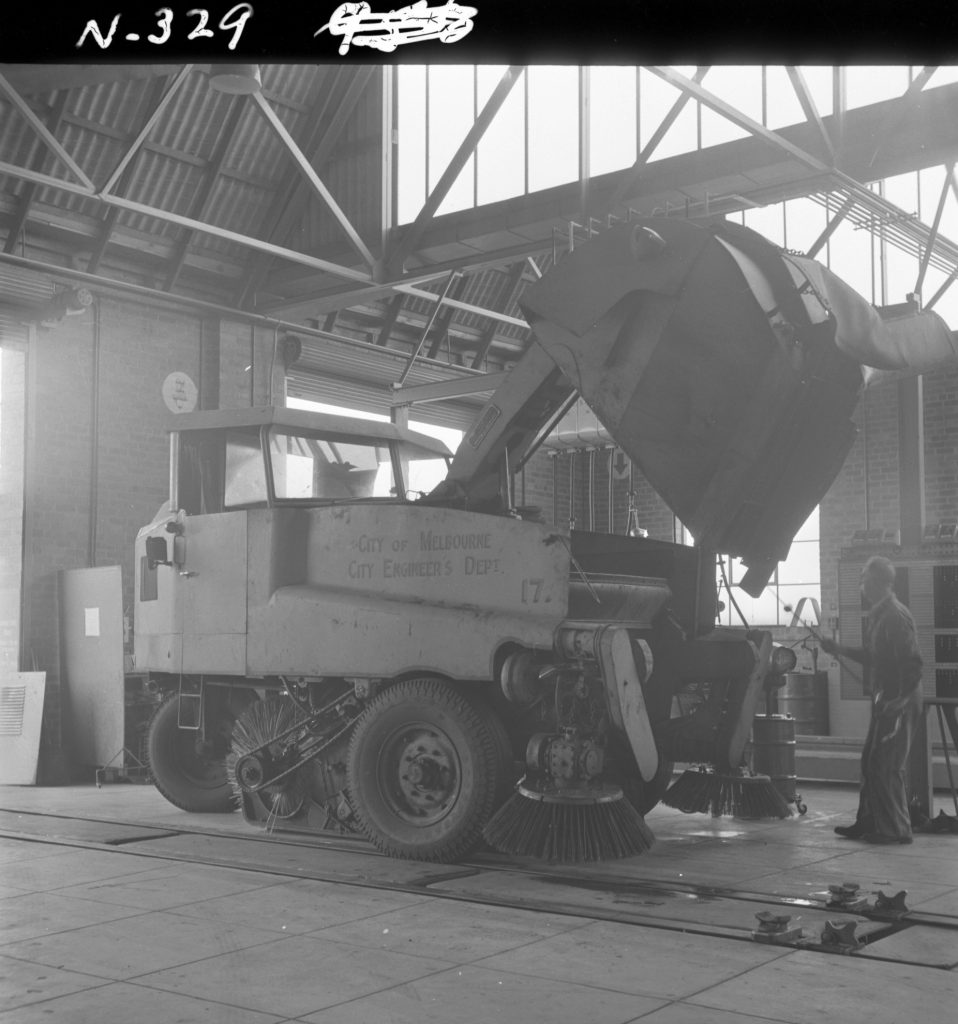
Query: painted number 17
[{"x": 531, "y": 591}]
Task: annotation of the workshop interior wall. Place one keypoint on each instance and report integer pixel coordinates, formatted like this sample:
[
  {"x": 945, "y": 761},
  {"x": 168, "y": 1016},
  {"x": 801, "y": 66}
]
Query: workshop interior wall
[
  {"x": 98, "y": 453},
  {"x": 12, "y": 378}
]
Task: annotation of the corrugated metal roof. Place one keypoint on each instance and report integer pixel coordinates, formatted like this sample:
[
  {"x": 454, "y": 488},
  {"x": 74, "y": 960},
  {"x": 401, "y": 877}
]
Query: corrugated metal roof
[
  {"x": 171, "y": 170},
  {"x": 361, "y": 376},
  {"x": 101, "y": 120}
]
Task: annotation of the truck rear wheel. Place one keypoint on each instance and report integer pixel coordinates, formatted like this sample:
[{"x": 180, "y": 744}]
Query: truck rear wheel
[
  {"x": 427, "y": 767},
  {"x": 188, "y": 770}
]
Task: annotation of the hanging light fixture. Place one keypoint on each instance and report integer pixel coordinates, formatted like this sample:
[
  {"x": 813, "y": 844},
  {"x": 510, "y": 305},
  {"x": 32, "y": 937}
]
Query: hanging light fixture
[{"x": 236, "y": 79}]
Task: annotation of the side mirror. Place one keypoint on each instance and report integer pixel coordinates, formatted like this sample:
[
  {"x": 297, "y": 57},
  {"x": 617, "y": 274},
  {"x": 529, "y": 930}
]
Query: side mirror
[{"x": 157, "y": 552}]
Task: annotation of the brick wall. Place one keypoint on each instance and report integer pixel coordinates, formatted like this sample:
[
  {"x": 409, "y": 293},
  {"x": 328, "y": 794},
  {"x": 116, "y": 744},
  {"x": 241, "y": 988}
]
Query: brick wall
[
  {"x": 941, "y": 446},
  {"x": 652, "y": 512},
  {"x": 98, "y": 451},
  {"x": 866, "y": 493},
  {"x": 12, "y": 375}
]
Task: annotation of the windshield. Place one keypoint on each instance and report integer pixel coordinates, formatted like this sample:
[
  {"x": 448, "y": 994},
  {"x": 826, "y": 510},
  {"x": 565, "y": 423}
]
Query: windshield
[
  {"x": 424, "y": 474},
  {"x": 309, "y": 468},
  {"x": 245, "y": 475}
]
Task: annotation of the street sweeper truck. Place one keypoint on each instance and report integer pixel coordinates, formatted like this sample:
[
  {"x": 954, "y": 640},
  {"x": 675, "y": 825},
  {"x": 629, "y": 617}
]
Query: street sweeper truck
[{"x": 339, "y": 653}]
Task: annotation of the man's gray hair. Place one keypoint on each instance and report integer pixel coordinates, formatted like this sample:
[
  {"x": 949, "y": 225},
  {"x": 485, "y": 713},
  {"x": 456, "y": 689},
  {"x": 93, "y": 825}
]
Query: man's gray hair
[{"x": 880, "y": 568}]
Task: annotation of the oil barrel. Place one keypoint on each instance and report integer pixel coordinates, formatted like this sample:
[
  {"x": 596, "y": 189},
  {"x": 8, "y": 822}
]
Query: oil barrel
[
  {"x": 805, "y": 697},
  {"x": 773, "y": 752}
]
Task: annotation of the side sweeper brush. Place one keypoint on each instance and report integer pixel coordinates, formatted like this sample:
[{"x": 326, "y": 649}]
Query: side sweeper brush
[
  {"x": 692, "y": 791},
  {"x": 745, "y": 795},
  {"x": 741, "y": 794},
  {"x": 264, "y": 738},
  {"x": 588, "y": 824}
]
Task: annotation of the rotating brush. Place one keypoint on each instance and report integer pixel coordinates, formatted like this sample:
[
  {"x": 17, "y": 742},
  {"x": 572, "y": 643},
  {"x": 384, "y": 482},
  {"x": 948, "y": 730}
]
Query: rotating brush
[
  {"x": 745, "y": 795},
  {"x": 692, "y": 791},
  {"x": 740, "y": 794},
  {"x": 568, "y": 826},
  {"x": 254, "y": 728}
]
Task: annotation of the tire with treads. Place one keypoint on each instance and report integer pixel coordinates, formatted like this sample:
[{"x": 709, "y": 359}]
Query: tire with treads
[
  {"x": 427, "y": 767},
  {"x": 188, "y": 776}
]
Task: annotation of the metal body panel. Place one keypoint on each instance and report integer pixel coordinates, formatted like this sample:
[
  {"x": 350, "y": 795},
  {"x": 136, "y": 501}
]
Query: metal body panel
[
  {"x": 216, "y": 654},
  {"x": 324, "y": 631},
  {"x": 358, "y": 590},
  {"x": 214, "y": 573},
  {"x": 396, "y": 588},
  {"x": 157, "y": 616},
  {"x": 157, "y": 652},
  {"x": 212, "y": 593},
  {"x": 197, "y": 622}
]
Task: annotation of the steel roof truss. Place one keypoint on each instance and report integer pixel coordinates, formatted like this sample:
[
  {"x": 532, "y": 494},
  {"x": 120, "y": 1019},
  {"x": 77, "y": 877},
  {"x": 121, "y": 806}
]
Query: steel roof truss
[
  {"x": 907, "y": 103},
  {"x": 933, "y": 237},
  {"x": 389, "y": 322},
  {"x": 414, "y": 355},
  {"x": 201, "y": 201},
  {"x": 830, "y": 227},
  {"x": 153, "y": 96},
  {"x": 315, "y": 181},
  {"x": 239, "y": 239},
  {"x": 288, "y": 204},
  {"x": 950, "y": 280},
  {"x": 410, "y": 237},
  {"x": 811, "y": 111},
  {"x": 512, "y": 288},
  {"x": 456, "y": 304},
  {"x": 48, "y": 137},
  {"x": 26, "y": 197},
  {"x": 729, "y": 112},
  {"x": 146, "y": 129},
  {"x": 630, "y": 176}
]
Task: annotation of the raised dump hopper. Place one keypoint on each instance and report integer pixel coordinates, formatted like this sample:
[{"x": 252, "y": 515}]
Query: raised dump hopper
[{"x": 725, "y": 367}]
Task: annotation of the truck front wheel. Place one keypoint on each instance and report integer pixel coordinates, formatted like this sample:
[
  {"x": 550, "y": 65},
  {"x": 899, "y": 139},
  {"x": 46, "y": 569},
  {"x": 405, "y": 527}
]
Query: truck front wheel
[
  {"x": 427, "y": 767},
  {"x": 187, "y": 769}
]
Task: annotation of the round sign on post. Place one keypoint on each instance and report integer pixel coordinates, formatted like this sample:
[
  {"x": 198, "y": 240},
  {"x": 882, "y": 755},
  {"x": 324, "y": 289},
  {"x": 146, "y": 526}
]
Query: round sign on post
[{"x": 179, "y": 392}]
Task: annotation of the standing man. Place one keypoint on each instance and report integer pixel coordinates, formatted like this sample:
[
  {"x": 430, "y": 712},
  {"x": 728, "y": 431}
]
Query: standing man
[{"x": 891, "y": 655}]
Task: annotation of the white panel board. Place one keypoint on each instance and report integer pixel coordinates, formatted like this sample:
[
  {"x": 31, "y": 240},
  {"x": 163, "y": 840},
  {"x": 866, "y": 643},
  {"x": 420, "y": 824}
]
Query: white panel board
[
  {"x": 21, "y": 713},
  {"x": 91, "y": 660}
]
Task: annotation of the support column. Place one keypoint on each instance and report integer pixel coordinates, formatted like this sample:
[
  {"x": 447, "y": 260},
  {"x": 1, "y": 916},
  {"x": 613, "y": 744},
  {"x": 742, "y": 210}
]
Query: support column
[
  {"x": 209, "y": 382},
  {"x": 911, "y": 497},
  {"x": 911, "y": 462}
]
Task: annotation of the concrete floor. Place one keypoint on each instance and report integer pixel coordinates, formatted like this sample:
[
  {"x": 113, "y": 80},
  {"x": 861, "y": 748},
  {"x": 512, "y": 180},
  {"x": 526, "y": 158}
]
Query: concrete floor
[{"x": 106, "y": 935}]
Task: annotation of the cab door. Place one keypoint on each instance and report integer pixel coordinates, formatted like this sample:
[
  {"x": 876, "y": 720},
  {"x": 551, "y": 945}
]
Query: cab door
[{"x": 212, "y": 584}]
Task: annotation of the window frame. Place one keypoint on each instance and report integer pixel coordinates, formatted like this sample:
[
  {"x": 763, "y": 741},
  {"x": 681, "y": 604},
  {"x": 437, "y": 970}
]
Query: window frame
[
  {"x": 269, "y": 430},
  {"x": 773, "y": 585},
  {"x": 216, "y": 441}
]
